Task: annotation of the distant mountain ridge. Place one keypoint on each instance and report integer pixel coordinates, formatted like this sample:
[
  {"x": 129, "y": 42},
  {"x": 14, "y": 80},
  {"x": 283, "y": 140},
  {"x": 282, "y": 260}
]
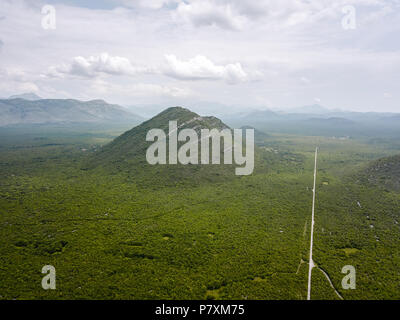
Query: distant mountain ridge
[
  {"x": 19, "y": 111},
  {"x": 311, "y": 109},
  {"x": 317, "y": 120}
]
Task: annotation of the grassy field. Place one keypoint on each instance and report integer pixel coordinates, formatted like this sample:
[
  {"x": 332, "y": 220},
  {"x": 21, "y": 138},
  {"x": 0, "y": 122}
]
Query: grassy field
[{"x": 110, "y": 237}]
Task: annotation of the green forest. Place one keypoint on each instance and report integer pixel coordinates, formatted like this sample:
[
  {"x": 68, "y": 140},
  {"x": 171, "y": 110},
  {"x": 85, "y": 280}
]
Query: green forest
[{"x": 129, "y": 231}]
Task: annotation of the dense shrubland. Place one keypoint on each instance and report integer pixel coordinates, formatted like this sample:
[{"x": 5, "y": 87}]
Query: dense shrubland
[{"x": 111, "y": 236}]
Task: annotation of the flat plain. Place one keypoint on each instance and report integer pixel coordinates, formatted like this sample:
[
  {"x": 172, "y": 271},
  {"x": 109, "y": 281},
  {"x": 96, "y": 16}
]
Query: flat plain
[{"x": 118, "y": 235}]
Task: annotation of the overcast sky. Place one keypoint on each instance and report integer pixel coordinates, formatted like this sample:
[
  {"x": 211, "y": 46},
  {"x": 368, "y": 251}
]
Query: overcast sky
[{"x": 243, "y": 54}]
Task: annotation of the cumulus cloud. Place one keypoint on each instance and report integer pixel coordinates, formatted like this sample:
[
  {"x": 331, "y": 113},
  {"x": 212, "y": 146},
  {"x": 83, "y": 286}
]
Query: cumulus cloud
[
  {"x": 197, "y": 68},
  {"x": 201, "y": 68},
  {"x": 95, "y": 65},
  {"x": 209, "y": 13}
]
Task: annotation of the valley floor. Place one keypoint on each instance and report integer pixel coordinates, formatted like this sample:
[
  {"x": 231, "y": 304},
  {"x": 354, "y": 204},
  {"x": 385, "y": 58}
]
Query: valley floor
[{"x": 247, "y": 238}]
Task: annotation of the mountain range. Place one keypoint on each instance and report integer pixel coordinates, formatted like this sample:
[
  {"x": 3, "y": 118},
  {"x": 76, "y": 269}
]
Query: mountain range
[
  {"x": 22, "y": 111},
  {"x": 30, "y": 109},
  {"x": 317, "y": 120}
]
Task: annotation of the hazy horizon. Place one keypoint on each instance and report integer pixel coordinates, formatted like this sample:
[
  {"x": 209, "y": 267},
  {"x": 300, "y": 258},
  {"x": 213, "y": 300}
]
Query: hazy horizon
[{"x": 210, "y": 108}]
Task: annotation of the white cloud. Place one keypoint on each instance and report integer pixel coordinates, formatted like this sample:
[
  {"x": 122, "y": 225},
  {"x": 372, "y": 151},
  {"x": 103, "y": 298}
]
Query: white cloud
[
  {"x": 95, "y": 65},
  {"x": 211, "y": 13},
  {"x": 197, "y": 68},
  {"x": 15, "y": 81},
  {"x": 201, "y": 68}
]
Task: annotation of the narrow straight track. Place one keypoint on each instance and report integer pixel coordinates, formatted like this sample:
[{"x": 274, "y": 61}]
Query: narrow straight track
[{"x": 311, "y": 262}]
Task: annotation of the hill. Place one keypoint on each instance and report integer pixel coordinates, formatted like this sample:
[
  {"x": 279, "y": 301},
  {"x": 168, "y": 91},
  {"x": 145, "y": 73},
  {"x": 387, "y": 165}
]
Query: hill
[
  {"x": 384, "y": 173},
  {"x": 127, "y": 153},
  {"x": 52, "y": 111}
]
